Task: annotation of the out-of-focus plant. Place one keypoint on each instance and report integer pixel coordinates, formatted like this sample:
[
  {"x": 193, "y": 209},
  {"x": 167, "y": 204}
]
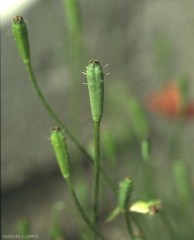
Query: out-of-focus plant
[{"x": 171, "y": 101}]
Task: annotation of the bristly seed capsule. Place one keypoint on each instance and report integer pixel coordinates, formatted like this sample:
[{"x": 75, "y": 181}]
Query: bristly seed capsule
[
  {"x": 21, "y": 37},
  {"x": 95, "y": 80},
  {"x": 60, "y": 149}
]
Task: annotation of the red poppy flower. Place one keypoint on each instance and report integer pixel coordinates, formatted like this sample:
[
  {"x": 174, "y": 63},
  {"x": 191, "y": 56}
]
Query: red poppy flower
[{"x": 169, "y": 102}]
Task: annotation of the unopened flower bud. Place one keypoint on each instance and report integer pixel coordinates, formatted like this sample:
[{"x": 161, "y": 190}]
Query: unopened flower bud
[
  {"x": 125, "y": 191},
  {"x": 151, "y": 207}
]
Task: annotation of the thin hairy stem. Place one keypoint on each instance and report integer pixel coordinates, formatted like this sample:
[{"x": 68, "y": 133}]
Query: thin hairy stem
[
  {"x": 96, "y": 171},
  {"x": 81, "y": 211}
]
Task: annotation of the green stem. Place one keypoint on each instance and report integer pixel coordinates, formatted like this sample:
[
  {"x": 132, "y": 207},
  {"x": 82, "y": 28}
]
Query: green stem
[
  {"x": 149, "y": 179},
  {"x": 60, "y": 123},
  {"x": 177, "y": 139},
  {"x": 168, "y": 225},
  {"x": 75, "y": 46},
  {"x": 96, "y": 171},
  {"x": 81, "y": 211},
  {"x": 129, "y": 228},
  {"x": 71, "y": 8},
  {"x": 146, "y": 155}
]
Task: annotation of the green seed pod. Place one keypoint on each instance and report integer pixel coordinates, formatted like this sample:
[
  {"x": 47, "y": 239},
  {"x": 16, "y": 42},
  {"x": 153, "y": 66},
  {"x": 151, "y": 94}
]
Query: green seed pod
[
  {"x": 125, "y": 191},
  {"x": 60, "y": 149},
  {"x": 21, "y": 37},
  {"x": 95, "y": 79}
]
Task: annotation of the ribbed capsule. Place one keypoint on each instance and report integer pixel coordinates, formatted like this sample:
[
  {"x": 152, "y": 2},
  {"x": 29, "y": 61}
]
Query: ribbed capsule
[
  {"x": 21, "y": 37},
  {"x": 95, "y": 80},
  {"x": 60, "y": 149},
  {"x": 125, "y": 191}
]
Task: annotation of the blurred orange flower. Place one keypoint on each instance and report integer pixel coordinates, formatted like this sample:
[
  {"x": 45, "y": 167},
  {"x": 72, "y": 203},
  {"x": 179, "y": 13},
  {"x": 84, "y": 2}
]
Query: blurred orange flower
[{"x": 169, "y": 102}]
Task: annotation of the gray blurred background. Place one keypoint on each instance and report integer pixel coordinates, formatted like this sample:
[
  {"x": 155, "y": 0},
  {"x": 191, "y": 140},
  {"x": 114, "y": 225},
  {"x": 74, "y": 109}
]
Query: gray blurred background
[{"x": 124, "y": 35}]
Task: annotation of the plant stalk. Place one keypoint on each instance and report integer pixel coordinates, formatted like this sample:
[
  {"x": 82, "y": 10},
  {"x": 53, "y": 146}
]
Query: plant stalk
[
  {"x": 81, "y": 211},
  {"x": 96, "y": 171},
  {"x": 75, "y": 47}
]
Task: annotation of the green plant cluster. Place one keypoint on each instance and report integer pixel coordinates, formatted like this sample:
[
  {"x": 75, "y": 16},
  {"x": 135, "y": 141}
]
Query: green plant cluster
[{"x": 126, "y": 206}]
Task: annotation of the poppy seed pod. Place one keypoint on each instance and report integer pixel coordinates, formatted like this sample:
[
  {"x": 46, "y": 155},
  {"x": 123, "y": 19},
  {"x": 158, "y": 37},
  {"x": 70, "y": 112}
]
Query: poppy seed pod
[
  {"x": 95, "y": 80},
  {"x": 60, "y": 149},
  {"x": 21, "y": 37}
]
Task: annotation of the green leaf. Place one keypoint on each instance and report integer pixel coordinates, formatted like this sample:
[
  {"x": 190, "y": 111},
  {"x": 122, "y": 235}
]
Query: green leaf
[{"x": 113, "y": 214}]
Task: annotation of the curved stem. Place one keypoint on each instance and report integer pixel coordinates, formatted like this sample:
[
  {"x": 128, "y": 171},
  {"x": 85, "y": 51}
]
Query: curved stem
[
  {"x": 81, "y": 211},
  {"x": 60, "y": 123},
  {"x": 96, "y": 171}
]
